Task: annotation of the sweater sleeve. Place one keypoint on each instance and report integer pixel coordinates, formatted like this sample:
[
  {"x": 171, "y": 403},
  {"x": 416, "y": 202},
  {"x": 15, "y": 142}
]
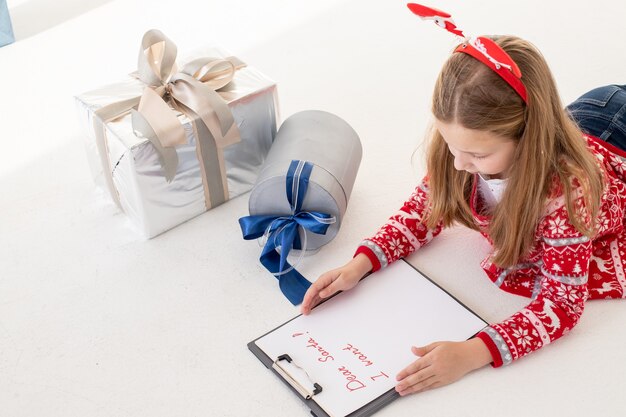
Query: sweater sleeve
[
  {"x": 403, "y": 233},
  {"x": 560, "y": 296}
]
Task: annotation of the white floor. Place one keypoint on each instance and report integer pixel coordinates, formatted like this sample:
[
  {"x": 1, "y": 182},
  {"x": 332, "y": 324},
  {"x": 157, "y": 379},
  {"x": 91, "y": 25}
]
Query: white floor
[{"x": 94, "y": 322}]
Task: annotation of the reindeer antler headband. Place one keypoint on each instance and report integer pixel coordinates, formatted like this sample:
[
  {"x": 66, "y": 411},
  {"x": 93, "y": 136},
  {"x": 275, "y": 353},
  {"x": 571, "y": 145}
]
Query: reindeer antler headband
[{"x": 483, "y": 49}]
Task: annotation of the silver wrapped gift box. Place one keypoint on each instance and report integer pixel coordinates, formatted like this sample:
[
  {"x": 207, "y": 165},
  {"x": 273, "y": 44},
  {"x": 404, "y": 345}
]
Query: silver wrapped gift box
[
  {"x": 333, "y": 147},
  {"x": 128, "y": 162}
]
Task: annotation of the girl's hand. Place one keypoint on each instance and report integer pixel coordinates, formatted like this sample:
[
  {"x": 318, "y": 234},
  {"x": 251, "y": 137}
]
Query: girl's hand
[
  {"x": 440, "y": 364},
  {"x": 340, "y": 279}
]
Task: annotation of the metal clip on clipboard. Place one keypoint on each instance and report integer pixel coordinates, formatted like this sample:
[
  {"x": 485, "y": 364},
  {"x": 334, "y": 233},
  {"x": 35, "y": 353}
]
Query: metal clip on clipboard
[{"x": 298, "y": 386}]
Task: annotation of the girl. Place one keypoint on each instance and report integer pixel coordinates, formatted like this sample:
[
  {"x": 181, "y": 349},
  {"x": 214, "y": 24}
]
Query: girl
[{"x": 504, "y": 159}]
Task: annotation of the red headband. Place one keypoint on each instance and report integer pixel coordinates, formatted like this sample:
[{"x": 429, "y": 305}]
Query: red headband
[{"x": 483, "y": 49}]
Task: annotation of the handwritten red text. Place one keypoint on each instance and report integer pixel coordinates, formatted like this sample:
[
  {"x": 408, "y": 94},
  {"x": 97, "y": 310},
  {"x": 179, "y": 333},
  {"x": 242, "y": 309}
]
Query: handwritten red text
[
  {"x": 325, "y": 356},
  {"x": 373, "y": 378},
  {"x": 360, "y": 355},
  {"x": 353, "y": 383}
]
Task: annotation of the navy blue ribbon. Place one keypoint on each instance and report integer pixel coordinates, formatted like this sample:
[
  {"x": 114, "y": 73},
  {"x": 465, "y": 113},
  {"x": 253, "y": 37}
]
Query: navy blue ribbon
[{"x": 281, "y": 232}]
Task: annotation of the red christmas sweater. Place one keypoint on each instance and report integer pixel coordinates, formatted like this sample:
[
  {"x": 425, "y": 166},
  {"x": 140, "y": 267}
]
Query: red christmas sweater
[{"x": 561, "y": 272}]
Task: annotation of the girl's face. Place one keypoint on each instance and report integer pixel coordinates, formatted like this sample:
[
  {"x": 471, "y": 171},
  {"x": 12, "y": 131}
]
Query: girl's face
[{"x": 478, "y": 151}]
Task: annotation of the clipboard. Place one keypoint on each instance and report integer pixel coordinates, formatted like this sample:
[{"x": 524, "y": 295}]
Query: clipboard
[
  {"x": 365, "y": 411},
  {"x": 309, "y": 379}
]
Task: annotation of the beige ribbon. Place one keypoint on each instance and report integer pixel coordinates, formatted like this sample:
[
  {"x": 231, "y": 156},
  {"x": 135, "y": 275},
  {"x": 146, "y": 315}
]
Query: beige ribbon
[{"x": 191, "y": 91}]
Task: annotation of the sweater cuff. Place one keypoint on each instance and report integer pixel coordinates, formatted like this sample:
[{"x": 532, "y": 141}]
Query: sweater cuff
[
  {"x": 493, "y": 349},
  {"x": 370, "y": 255}
]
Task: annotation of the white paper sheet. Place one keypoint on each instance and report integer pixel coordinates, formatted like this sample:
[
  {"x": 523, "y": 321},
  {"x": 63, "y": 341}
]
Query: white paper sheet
[{"x": 354, "y": 344}]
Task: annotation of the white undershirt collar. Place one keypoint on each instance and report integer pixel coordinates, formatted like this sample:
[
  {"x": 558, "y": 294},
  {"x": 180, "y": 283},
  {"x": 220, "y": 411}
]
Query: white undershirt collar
[{"x": 491, "y": 190}]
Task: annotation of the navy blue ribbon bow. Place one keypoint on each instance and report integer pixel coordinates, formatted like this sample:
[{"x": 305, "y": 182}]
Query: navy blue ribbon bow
[{"x": 281, "y": 231}]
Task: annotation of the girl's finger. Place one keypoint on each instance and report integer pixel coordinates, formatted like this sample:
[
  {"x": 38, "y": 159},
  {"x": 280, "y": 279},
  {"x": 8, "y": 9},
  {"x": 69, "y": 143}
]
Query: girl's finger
[
  {"x": 330, "y": 289},
  {"x": 413, "y": 368},
  {"x": 313, "y": 292},
  {"x": 315, "y": 301},
  {"x": 417, "y": 383}
]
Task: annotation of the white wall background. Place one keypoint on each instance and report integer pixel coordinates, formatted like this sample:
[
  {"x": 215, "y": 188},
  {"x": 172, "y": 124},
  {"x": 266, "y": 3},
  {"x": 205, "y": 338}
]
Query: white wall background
[{"x": 94, "y": 322}]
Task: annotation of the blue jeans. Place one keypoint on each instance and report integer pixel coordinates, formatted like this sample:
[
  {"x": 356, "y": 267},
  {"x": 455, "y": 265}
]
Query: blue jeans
[
  {"x": 6, "y": 31},
  {"x": 602, "y": 113}
]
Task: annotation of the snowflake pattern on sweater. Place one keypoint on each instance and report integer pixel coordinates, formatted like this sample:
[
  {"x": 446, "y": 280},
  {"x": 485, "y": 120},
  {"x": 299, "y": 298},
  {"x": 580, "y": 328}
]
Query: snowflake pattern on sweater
[{"x": 560, "y": 273}]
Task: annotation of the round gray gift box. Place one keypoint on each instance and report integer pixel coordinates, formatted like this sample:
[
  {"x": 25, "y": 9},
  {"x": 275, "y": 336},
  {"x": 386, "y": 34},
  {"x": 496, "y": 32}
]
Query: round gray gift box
[{"x": 333, "y": 147}]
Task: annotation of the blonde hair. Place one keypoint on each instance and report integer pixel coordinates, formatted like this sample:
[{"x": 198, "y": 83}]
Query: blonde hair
[{"x": 550, "y": 149}]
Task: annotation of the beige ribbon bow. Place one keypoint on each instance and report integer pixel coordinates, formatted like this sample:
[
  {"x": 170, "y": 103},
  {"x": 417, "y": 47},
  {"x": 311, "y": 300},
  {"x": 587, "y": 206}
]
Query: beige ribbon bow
[{"x": 191, "y": 91}]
